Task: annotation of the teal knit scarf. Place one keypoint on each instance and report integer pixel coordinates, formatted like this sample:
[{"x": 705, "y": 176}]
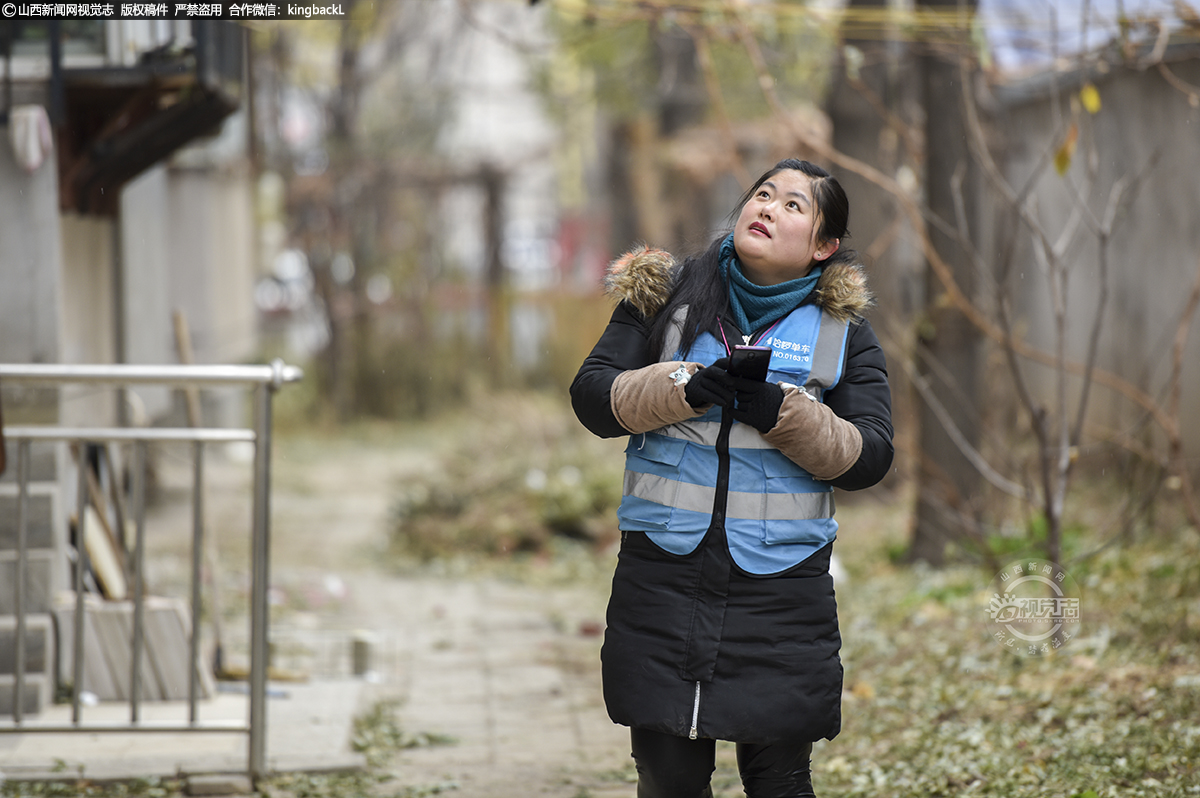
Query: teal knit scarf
[{"x": 756, "y": 306}]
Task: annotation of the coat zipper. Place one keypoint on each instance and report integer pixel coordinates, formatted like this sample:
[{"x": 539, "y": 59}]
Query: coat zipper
[{"x": 695, "y": 713}]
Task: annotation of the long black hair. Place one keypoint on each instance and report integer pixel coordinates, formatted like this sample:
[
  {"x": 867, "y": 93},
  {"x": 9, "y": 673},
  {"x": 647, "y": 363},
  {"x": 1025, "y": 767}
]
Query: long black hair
[{"x": 698, "y": 283}]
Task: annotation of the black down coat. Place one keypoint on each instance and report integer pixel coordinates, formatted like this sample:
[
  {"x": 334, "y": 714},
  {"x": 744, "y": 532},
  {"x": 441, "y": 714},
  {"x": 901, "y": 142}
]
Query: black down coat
[{"x": 696, "y": 647}]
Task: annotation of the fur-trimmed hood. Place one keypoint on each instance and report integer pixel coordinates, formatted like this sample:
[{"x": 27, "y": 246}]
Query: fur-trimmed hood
[{"x": 644, "y": 277}]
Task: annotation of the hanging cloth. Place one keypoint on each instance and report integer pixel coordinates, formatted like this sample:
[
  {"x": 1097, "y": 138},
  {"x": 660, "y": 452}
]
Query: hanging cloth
[{"x": 30, "y": 135}]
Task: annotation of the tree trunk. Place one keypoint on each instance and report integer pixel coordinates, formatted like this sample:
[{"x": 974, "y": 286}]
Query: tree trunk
[
  {"x": 863, "y": 94},
  {"x": 947, "y": 482},
  {"x": 494, "y": 183},
  {"x": 682, "y": 103},
  {"x": 348, "y": 211}
]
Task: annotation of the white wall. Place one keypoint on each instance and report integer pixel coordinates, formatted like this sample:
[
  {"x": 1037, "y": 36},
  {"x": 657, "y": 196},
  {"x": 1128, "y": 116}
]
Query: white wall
[
  {"x": 148, "y": 332},
  {"x": 88, "y": 323},
  {"x": 212, "y": 272},
  {"x": 212, "y": 264}
]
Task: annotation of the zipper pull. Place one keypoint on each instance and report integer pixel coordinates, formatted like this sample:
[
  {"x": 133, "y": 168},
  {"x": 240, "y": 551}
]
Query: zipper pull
[{"x": 695, "y": 713}]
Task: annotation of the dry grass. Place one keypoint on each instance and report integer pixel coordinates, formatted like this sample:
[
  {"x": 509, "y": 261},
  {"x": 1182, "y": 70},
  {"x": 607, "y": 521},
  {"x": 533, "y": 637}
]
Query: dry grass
[
  {"x": 935, "y": 706},
  {"x": 524, "y": 474}
]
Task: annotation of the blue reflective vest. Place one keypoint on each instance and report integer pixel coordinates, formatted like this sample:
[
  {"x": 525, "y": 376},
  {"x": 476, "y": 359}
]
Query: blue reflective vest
[{"x": 775, "y": 514}]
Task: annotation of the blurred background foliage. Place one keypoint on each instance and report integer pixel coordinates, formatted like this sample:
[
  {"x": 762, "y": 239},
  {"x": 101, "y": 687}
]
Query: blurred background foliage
[{"x": 442, "y": 183}]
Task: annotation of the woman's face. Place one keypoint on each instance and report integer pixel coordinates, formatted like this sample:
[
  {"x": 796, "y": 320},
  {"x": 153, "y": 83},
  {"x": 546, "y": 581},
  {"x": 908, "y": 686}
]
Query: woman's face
[{"x": 776, "y": 232}]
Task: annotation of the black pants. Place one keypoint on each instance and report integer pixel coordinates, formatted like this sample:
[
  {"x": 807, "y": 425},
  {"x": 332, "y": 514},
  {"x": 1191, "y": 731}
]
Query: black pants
[{"x": 676, "y": 767}]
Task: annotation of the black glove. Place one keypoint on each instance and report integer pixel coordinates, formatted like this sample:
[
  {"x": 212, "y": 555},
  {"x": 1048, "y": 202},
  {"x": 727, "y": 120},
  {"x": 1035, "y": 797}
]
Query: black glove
[
  {"x": 711, "y": 385},
  {"x": 758, "y": 403}
]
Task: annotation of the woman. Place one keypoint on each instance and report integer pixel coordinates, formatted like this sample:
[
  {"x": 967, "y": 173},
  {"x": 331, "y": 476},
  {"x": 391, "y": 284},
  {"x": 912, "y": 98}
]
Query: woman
[{"x": 722, "y": 622}]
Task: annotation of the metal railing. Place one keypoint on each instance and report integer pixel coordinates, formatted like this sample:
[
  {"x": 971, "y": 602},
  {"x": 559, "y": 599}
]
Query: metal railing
[{"x": 265, "y": 380}]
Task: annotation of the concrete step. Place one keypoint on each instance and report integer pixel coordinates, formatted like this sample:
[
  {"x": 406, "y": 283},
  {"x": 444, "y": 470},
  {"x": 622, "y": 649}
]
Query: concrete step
[
  {"x": 39, "y": 581},
  {"x": 36, "y": 695},
  {"x": 43, "y": 459},
  {"x": 39, "y": 644},
  {"x": 39, "y": 517}
]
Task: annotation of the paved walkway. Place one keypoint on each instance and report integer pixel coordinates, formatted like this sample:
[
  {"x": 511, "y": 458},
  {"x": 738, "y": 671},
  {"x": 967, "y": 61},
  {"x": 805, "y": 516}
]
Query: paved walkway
[{"x": 513, "y": 675}]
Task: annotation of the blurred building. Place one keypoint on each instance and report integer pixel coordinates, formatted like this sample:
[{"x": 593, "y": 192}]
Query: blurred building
[
  {"x": 125, "y": 195},
  {"x": 125, "y": 199}
]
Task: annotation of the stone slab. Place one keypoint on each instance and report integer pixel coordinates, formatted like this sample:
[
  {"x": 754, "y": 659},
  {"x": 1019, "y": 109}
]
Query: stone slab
[{"x": 39, "y": 644}]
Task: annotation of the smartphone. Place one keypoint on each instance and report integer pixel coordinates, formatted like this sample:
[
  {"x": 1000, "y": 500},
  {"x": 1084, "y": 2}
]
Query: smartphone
[{"x": 751, "y": 362}]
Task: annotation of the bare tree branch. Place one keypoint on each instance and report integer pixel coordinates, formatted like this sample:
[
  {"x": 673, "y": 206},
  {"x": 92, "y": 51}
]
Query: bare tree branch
[
  {"x": 941, "y": 269},
  {"x": 1175, "y": 445},
  {"x": 901, "y": 128},
  {"x": 1192, "y": 92},
  {"x": 712, "y": 84},
  {"x": 970, "y": 452}
]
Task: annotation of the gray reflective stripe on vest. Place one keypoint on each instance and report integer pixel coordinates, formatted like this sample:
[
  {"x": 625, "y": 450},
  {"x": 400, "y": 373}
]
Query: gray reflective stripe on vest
[
  {"x": 741, "y": 436},
  {"x": 827, "y": 355},
  {"x": 699, "y": 499}
]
